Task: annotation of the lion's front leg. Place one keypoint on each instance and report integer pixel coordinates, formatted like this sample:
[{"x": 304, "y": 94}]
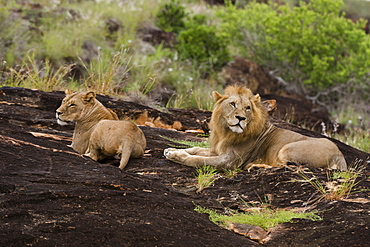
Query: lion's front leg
[
  {"x": 181, "y": 155},
  {"x": 224, "y": 161},
  {"x": 199, "y": 151}
]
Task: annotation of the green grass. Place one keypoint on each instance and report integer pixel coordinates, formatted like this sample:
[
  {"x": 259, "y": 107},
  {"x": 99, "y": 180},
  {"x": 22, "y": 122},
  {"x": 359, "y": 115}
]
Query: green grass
[
  {"x": 105, "y": 75},
  {"x": 206, "y": 176},
  {"x": 231, "y": 173},
  {"x": 266, "y": 218},
  {"x": 339, "y": 184},
  {"x": 44, "y": 77},
  {"x": 186, "y": 144}
]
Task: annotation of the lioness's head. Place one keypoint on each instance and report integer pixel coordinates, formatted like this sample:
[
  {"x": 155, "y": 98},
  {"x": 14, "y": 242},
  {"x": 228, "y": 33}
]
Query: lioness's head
[
  {"x": 73, "y": 105},
  {"x": 238, "y": 110}
]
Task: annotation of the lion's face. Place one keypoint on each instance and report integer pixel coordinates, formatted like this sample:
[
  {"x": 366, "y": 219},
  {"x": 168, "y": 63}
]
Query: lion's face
[
  {"x": 73, "y": 106},
  {"x": 238, "y": 110}
]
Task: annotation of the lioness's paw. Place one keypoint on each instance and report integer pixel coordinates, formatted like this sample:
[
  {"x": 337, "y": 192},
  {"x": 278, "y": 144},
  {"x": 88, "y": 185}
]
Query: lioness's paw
[{"x": 89, "y": 155}]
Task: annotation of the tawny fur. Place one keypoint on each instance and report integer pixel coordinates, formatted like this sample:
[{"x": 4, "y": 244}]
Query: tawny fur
[
  {"x": 242, "y": 135},
  {"x": 98, "y": 133}
]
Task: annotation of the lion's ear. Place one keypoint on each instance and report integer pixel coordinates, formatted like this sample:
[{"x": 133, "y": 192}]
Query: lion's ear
[
  {"x": 257, "y": 98},
  {"x": 89, "y": 97},
  {"x": 68, "y": 91},
  {"x": 216, "y": 96}
]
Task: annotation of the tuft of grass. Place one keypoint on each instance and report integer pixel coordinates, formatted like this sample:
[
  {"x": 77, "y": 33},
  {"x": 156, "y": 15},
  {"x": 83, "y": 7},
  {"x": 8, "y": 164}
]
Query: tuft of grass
[
  {"x": 186, "y": 144},
  {"x": 339, "y": 184},
  {"x": 40, "y": 76},
  {"x": 106, "y": 75},
  {"x": 206, "y": 176},
  {"x": 231, "y": 173},
  {"x": 266, "y": 218}
]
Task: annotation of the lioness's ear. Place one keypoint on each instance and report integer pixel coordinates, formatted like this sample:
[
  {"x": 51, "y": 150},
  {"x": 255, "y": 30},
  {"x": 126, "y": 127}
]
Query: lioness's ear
[
  {"x": 216, "y": 96},
  {"x": 68, "y": 91},
  {"x": 270, "y": 106},
  {"x": 89, "y": 97}
]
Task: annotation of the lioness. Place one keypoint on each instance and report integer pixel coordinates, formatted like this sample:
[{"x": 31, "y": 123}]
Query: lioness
[
  {"x": 241, "y": 134},
  {"x": 98, "y": 132}
]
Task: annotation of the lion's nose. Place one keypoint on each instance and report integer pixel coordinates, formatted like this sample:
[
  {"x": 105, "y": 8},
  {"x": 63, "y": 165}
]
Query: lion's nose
[
  {"x": 240, "y": 118},
  {"x": 58, "y": 113}
]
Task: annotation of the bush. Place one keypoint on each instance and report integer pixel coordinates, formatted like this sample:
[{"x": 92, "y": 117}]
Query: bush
[
  {"x": 196, "y": 40},
  {"x": 201, "y": 43},
  {"x": 313, "y": 46},
  {"x": 171, "y": 17}
]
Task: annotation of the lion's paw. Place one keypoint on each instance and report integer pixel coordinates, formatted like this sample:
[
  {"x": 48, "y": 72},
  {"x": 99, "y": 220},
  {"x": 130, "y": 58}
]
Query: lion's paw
[
  {"x": 169, "y": 152},
  {"x": 176, "y": 155}
]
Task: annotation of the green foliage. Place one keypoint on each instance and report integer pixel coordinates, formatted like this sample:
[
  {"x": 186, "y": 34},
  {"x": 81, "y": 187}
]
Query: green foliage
[
  {"x": 57, "y": 32},
  {"x": 196, "y": 40},
  {"x": 266, "y": 218},
  {"x": 206, "y": 176},
  {"x": 171, "y": 17},
  {"x": 311, "y": 45},
  {"x": 201, "y": 43},
  {"x": 75, "y": 32}
]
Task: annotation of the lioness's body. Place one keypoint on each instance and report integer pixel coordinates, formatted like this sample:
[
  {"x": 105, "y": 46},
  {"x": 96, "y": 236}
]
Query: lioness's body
[
  {"x": 241, "y": 134},
  {"x": 98, "y": 132}
]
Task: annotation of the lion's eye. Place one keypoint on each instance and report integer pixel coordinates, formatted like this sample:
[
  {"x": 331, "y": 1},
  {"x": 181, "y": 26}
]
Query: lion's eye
[
  {"x": 232, "y": 104},
  {"x": 248, "y": 108},
  {"x": 72, "y": 105}
]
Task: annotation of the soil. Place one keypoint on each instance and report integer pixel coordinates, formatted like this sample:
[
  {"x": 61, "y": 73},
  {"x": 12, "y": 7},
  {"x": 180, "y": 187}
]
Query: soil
[{"x": 51, "y": 196}]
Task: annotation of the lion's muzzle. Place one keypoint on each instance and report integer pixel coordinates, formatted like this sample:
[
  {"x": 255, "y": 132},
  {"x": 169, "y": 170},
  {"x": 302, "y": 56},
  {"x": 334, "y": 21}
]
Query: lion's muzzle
[{"x": 237, "y": 124}]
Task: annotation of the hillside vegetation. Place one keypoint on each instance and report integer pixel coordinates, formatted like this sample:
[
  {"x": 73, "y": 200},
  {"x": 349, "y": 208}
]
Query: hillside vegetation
[{"x": 111, "y": 46}]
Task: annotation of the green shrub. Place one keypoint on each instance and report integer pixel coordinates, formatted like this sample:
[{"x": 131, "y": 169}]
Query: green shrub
[
  {"x": 202, "y": 43},
  {"x": 312, "y": 46},
  {"x": 171, "y": 17},
  {"x": 196, "y": 40}
]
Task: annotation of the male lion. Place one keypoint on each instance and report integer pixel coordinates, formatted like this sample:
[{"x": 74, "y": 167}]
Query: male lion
[
  {"x": 98, "y": 132},
  {"x": 242, "y": 135}
]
